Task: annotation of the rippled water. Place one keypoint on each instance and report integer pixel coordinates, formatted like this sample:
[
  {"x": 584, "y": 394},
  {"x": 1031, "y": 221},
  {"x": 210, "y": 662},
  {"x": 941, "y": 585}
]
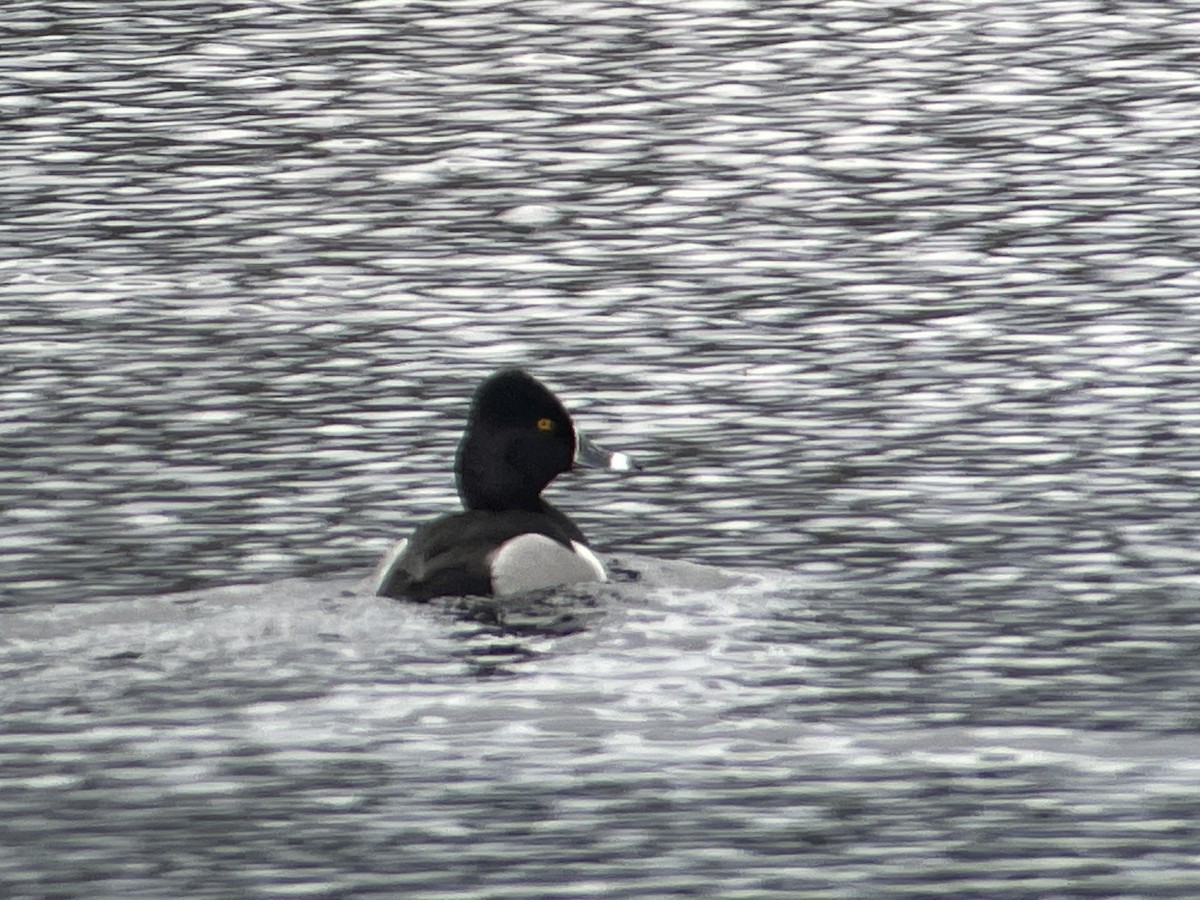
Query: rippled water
[
  {"x": 897, "y": 301},
  {"x": 701, "y": 735}
]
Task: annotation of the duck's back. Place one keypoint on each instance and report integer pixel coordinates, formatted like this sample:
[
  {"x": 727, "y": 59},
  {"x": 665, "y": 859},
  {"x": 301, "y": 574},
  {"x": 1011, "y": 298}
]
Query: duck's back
[{"x": 485, "y": 552}]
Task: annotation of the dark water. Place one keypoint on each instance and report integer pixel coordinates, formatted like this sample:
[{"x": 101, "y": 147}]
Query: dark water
[{"x": 898, "y": 302}]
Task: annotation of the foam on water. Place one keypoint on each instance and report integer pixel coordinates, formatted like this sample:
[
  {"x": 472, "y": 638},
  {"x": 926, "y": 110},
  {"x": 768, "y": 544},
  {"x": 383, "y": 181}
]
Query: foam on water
[{"x": 718, "y": 714}]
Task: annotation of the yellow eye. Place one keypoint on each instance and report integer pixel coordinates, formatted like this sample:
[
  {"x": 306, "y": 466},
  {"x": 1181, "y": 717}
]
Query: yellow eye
[{"x": 545, "y": 424}]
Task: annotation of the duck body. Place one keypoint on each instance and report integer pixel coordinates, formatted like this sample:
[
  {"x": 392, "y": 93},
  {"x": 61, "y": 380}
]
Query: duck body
[
  {"x": 487, "y": 552},
  {"x": 508, "y": 539}
]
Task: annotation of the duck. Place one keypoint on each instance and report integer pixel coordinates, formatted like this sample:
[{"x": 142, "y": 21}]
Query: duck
[{"x": 507, "y": 540}]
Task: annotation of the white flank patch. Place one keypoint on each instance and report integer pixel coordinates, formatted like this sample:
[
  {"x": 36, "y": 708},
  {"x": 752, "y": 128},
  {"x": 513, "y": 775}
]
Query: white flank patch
[
  {"x": 383, "y": 571},
  {"x": 532, "y": 561}
]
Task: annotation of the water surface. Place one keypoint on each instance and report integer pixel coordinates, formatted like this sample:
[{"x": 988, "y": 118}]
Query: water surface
[{"x": 896, "y": 301}]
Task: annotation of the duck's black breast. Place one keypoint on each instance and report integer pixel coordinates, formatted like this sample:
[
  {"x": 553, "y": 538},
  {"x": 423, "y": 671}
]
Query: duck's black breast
[{"x": 452, "y": 555}]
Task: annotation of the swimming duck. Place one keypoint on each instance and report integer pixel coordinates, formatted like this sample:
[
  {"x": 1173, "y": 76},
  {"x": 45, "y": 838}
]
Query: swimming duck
[{"x": 508, "y": 540}]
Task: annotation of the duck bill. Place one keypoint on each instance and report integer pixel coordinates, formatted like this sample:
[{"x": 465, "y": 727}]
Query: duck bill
[{"x": 590, "y": 455}]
